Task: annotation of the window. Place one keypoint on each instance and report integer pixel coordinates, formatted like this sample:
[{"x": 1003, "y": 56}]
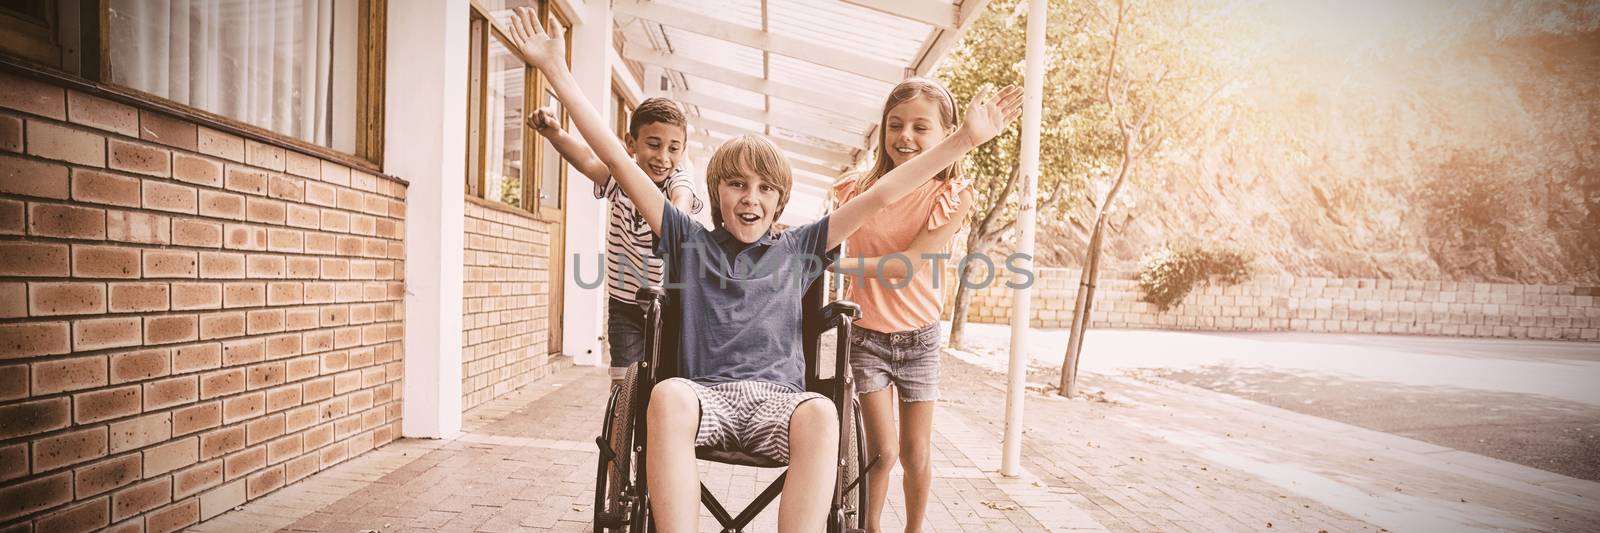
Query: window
[
  {"x": 307, "y": 71},
  {"x": 506, "y": 161},
  {"x": 621, "y": 112}
]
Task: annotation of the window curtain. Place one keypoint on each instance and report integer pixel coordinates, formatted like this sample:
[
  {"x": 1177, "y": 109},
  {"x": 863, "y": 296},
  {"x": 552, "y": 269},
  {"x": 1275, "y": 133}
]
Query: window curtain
[{"x": 268, "y": 63}]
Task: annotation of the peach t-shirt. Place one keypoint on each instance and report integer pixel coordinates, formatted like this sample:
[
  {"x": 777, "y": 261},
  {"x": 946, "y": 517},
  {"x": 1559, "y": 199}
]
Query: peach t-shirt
[{"x": 900, "y": 305}]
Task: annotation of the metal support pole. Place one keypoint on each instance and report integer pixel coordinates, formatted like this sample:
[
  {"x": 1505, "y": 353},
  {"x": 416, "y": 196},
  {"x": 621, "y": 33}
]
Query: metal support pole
[{"x": 1022, "y": 297}]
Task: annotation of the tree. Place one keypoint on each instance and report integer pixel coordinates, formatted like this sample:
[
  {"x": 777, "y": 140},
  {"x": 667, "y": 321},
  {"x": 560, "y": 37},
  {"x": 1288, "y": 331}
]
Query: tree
[
  {"x": 1075, "y": 142},
  {"x": 1148, "y": 87}
]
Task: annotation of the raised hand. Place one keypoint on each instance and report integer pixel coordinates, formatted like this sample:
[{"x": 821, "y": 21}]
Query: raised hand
[
  {"x": 543, "y": 120},
  {"x": 990, "y": 112},
  {"x": 531, "y": 42}
]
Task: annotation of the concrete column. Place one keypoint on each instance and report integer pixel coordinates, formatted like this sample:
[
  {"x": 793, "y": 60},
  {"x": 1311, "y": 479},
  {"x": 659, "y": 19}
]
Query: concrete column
[
  {"x": 425, "y": 127},
  {"x": 583, "y": 310},
  {"x": 1022, "y": 298}
]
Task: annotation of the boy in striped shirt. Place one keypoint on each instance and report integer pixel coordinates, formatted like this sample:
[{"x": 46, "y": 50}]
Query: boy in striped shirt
[{"x": 656, "y": 139}]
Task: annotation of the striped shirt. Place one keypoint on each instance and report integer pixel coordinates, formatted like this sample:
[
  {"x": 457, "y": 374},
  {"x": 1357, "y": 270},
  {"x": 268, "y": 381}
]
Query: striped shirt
[{"x": 630, "y": 259}]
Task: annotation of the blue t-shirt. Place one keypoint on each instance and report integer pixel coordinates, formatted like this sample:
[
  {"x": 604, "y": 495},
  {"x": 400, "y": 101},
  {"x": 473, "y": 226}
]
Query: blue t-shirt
[{"x": 741, "y": 304}]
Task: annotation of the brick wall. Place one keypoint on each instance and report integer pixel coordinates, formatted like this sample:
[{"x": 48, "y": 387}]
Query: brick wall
[
  {"x": 189, "y": 319},
  {"x": 505, "y": 305},
  {"x": 1289, "y": 303}
]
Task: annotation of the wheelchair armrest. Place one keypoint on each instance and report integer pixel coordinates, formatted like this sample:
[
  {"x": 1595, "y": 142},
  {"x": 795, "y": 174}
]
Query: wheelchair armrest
[
  {"x": 649, "y": 293},
  {"x": 830, "y": 316}
]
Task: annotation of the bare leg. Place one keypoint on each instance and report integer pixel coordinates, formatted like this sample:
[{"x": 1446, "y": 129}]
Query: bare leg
[
  {"x": 916, "y": 434},
  {"x": 674, "y": 416},
  {"x": 813, "y": 465},
  {"x": 883, "y": 442}
]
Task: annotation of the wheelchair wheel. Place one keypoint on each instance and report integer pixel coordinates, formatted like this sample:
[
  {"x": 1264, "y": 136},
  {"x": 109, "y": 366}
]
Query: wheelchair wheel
[
  {"x": 854, "y": 500},
  {"x": 613, "y": 494}
]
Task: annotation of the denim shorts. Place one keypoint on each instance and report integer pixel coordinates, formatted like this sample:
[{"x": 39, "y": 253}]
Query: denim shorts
[
  {"x": 625, "y": 333},
  {"x": 908, "y": 359}
]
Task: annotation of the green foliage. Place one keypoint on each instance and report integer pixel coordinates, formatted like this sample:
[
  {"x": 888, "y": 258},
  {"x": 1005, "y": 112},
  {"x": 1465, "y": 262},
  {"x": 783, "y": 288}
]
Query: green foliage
[
  {"x": 1168, "y": 275},
  {"x": 1076, "y": 140}
]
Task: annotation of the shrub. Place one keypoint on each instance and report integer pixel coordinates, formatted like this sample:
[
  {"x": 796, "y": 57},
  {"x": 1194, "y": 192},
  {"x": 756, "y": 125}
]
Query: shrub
[{"x": 1168, "y": 274}]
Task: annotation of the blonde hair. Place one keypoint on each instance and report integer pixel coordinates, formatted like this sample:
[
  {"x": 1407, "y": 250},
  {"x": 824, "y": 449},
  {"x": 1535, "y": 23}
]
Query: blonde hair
[
  {"x": 752, "y": 153},
  {"x": 906, "y": 91}
]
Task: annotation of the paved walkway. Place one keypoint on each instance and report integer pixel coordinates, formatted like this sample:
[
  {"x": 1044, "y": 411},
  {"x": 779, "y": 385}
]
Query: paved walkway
[{"x": 1148, "y": 455}]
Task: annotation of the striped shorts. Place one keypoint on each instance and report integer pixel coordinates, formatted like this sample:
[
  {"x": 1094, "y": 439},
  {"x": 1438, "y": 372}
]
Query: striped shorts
[{"x": 747, "y": 416}]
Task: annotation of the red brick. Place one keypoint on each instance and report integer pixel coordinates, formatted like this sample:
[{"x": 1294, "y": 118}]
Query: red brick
[
  {"x": 200, "y": 233},
  {"x": 264, "y": 375},
  {"x": 244, "y": 462},
  {"x": 28, "y": 177},
  {"x": 355, "y": 246},
  {"x": 286, "y": 345},
  {"x": 300, "y": 417},
  {"x": 55, "y": 299},
  {"x": 301, "y": 216},
  {"x": 94, "y": 334},
  {"x": 170, "y": 392},
  {"x": 287, "y": 188},
  {"x": 140, "y": 498},
  {"x": 134, "y": 525},
  {"x": 187, "y": 296},
  {"x": 264, "y": 321},
  {"x": 321, "y": 194},
  {"x": 245, "y": 179},
  {"x": 87, "y": 516},
  {"x": 222, "y": 205},
  {"x": 168, "y": 264},
  {"x": 170, "y": 329},
  {"x": 97, "y": 112},
  {"x": 140, "y": 432},
  {"x": 221, "y": 442},
  {"x": 244, "y": 294},
  {"x": 303, "y": 165},
  {"x": 243, "y": 407},
  {"x": 264, "y": 482},
  {"x": 264, "y": 266},
  {"x": 317, "y": 389},
  {"x": 219, "y": 144},
  {"x": 351, "y": 200},
  {"x": 14, "y": 382},
  {"x": 335, "y": 173},
  {"x": 13, "y": 461},
  {"x": 139, "y": 297},
  {"x": 221, "y": 383},
  {"x": 321, "y": 243},
  {"x": 105, "y": 261},
  {"x": 107, "y": 475},
  {"x": 61, "y": 375},
  {"x": 263, "y": 429},
  {"x": 283, "y": 449},
  {"x": 196, "y": 417},
  {"x": 65, "y": 221},
  {"x": 284, "y": 397},
  {"x": 243, "y": 352},
  {"x": 167, "y": 130},
  {"x": 104, "y": 188},
  {"x": 13, "y": 217},
  {"x": 265, "y": 211},
  {"x": 10, "y": 133},
  {"x": 197, "y": 478},
  {"x": 34, "y": 259},
  {"x": 303, "y": 267},
  {"x": 140, "y": 158},
  {"x": 30, "y": 418},
  {"x": 334, "y": 454},
  {"x": 363, "y": 225},
  {"x": 335, "y": 220},
  {"x": 66, "y": 144},
  {"x": 300, "y": 467},
  {"x": 264, "y": 155},
  {"x": 34, "y": 495},
  {"x": 173, "y": 518},
  {"x": 197, "y": 170},
  {"x": 105, "y": 404},
  {"x": 69, "y": 449},
  {"x": 196, "y": 357},
  {"x": 32, "y": 96},
  {"x": 170, "y": 456},
  {"x": 221, "y": 265},
  {"x": 221, "y": 325},
  {"x": 137, "y": 227},
  {"x": 164, "y": 196},
  {"x": 300, "y": 319}
]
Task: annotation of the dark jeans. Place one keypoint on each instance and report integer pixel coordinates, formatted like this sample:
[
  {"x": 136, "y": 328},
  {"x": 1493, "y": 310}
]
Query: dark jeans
[{"x": 625, "y": 331}]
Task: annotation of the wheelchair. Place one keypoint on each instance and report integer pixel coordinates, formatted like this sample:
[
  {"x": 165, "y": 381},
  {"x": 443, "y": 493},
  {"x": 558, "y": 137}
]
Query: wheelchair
[{"x": 621, "y": 498}]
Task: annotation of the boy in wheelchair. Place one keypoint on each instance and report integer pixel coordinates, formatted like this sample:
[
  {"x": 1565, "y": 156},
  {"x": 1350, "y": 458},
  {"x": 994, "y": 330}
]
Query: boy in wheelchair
[{"x": 738, "y": 286}]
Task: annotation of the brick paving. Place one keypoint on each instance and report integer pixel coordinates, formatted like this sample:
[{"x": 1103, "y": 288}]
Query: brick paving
[{"x": 1155, "y": 456}]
